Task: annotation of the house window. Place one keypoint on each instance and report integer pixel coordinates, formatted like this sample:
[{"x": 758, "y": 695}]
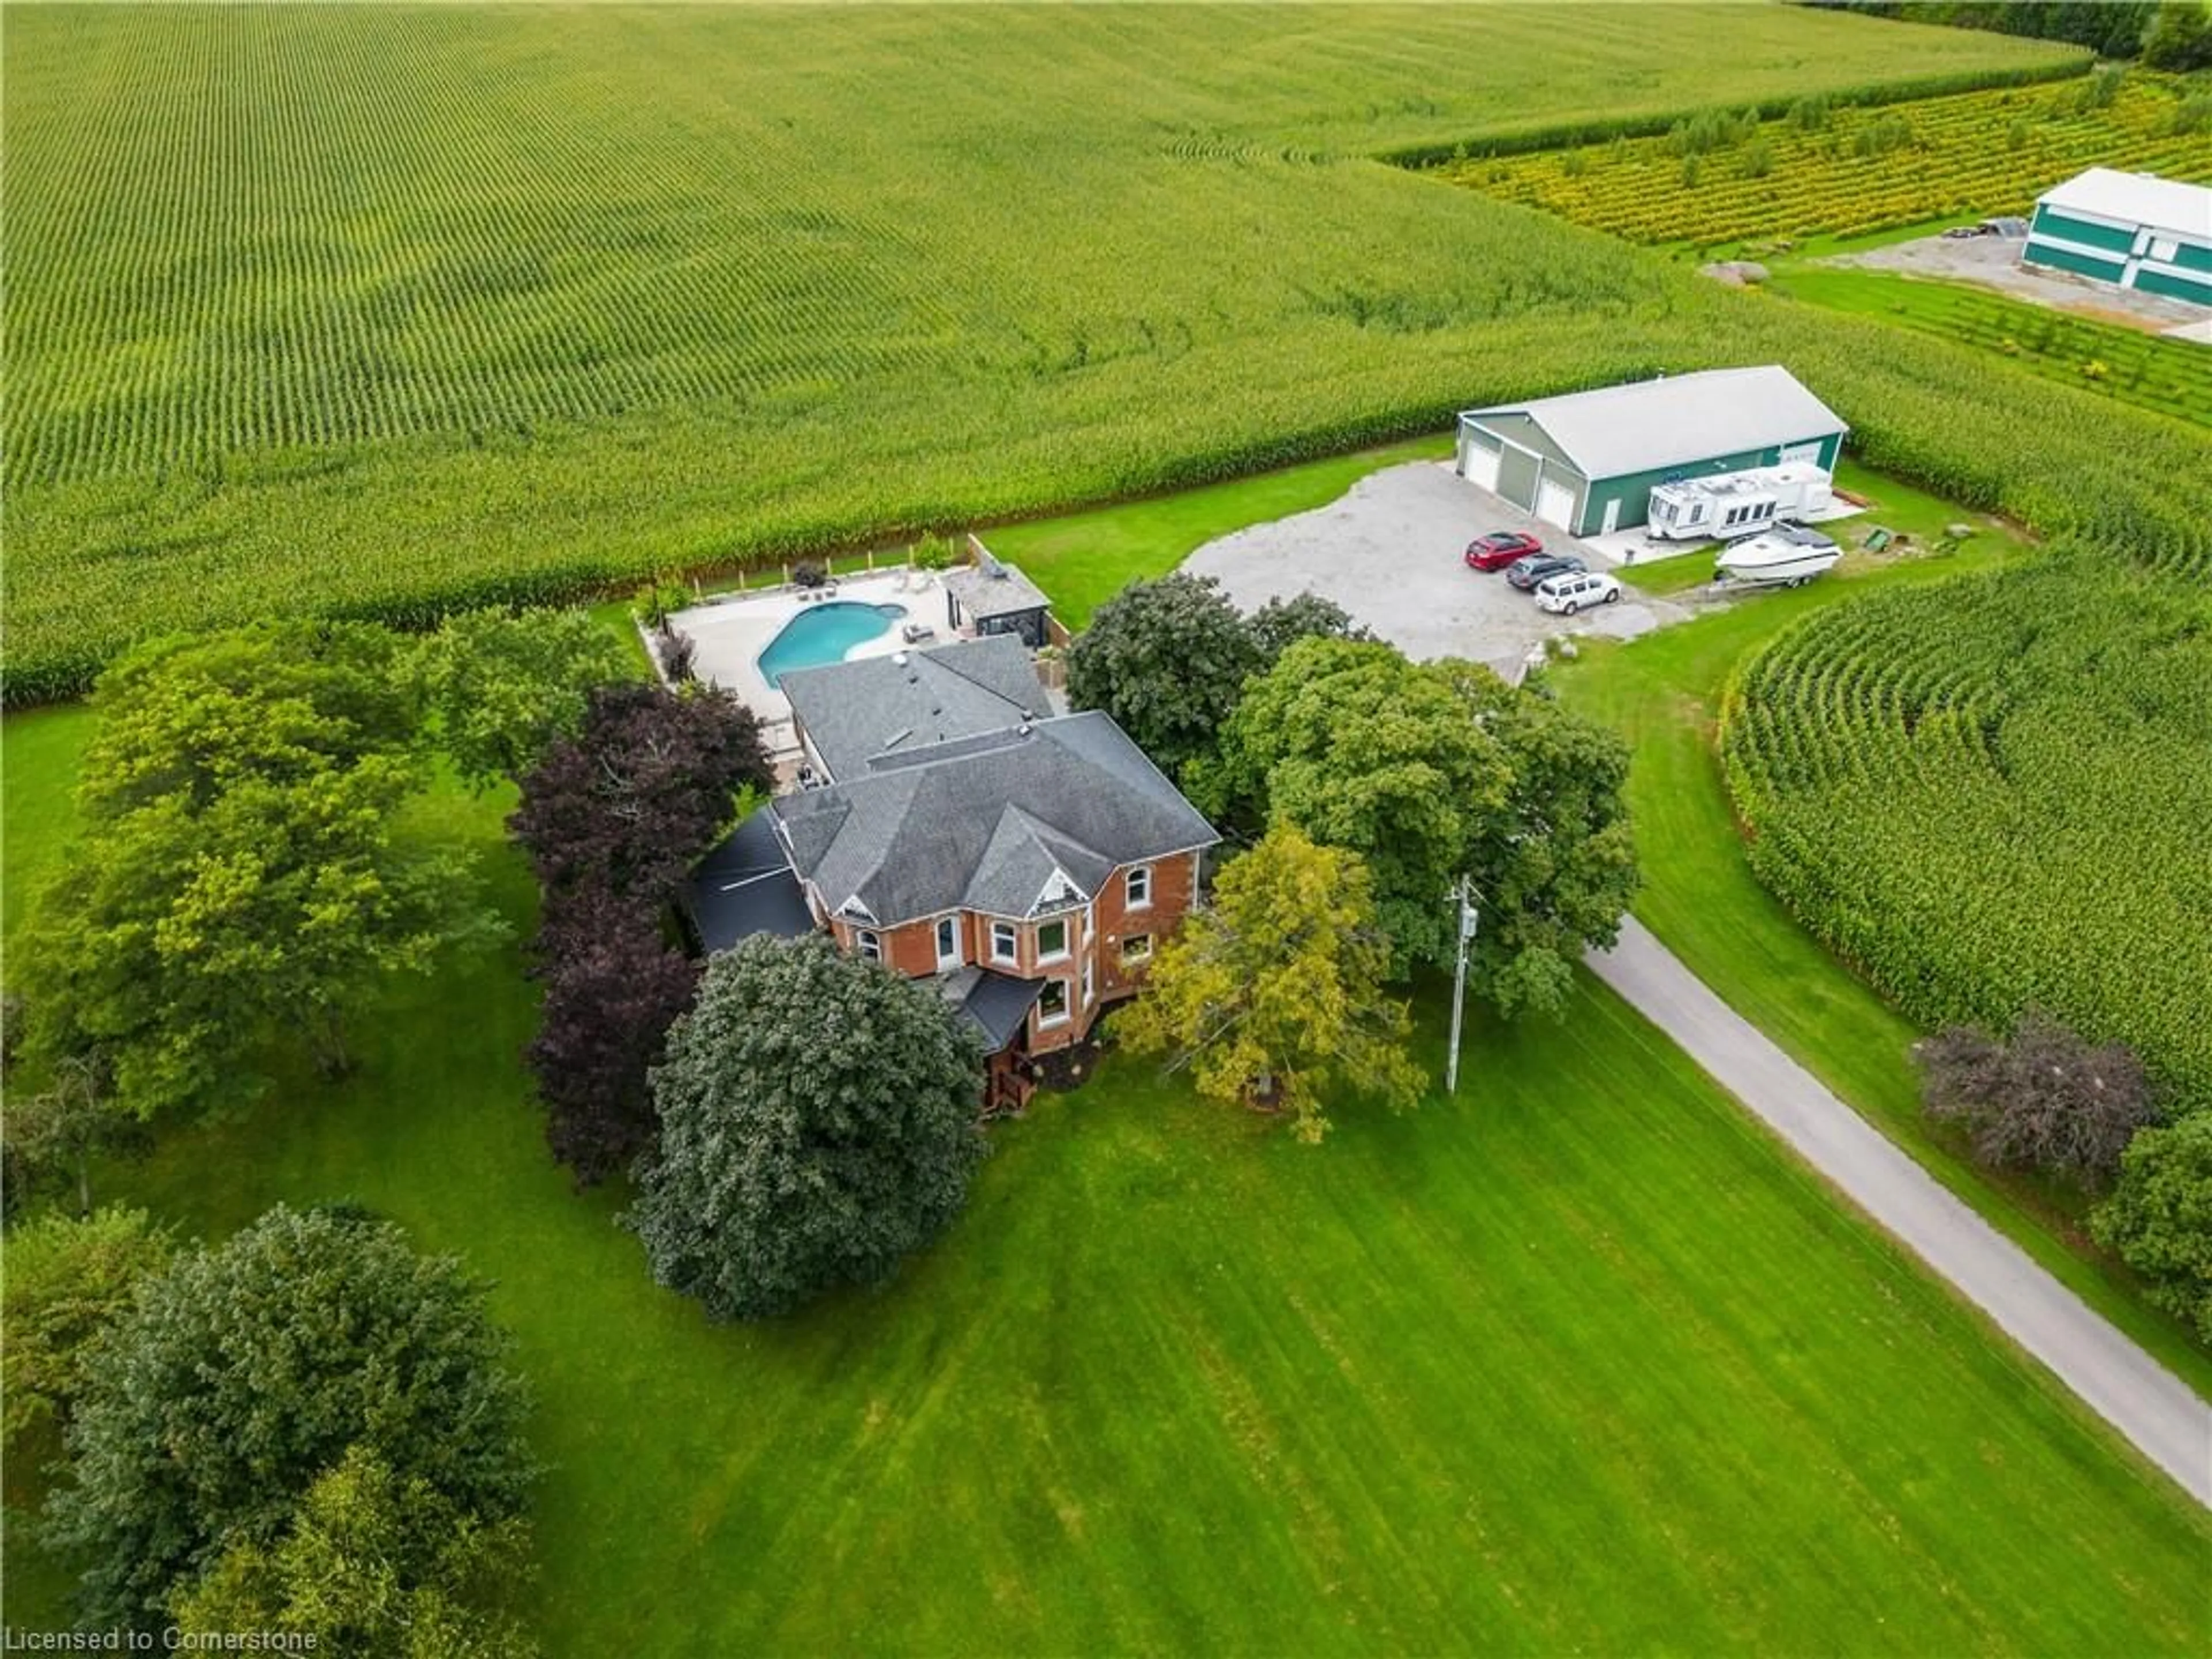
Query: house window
[
  {"x": 948, "y": 942},
  {"x": 1137, "y": 948},
  {"x": 1052, "y": 1006},
  {"x": 1002, "y": 941},
  {"x": 1051, "y": 941},
  {"x": 1140, "y": 886},
  {"x": 871, "y": 945}
]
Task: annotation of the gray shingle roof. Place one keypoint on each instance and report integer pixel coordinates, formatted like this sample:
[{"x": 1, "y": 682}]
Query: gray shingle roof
[
  {"x": 1650, "y": 425},
  {"x": 995, "y": 1004},
  {"x": 981, "y": 823},
  {"x": 983, "y": 594},
  {"x": 913, "y": 699},
  {"x": 744, "y": 886}
]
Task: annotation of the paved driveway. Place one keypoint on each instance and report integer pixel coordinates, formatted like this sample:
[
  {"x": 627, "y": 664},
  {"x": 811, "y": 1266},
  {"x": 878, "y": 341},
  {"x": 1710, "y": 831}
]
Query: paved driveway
[
  {"x": 2138, "y": 1397},
  {"x": 1390, "y": 553}
]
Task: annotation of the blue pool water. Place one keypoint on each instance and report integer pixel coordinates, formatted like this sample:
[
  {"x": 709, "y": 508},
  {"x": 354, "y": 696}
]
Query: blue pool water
[{"x": 823, "y": 634}]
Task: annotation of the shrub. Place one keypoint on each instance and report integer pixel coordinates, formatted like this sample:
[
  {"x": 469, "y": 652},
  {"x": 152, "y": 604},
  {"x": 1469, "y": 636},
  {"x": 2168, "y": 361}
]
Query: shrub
[
  {"x": 2160, "y": 1217},
  {"x": 1886, "y": 132},
  {"x": 937, "y": 553},
  {"x": 2099, "y": 89},
  {"x": 2044, "y": 1101},
  {"x": 677, "y": 651},
  {"x": 67, "y": 1280}
]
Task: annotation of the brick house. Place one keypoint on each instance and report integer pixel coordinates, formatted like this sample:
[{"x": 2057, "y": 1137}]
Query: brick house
[{"x": 1029, "y": 866}]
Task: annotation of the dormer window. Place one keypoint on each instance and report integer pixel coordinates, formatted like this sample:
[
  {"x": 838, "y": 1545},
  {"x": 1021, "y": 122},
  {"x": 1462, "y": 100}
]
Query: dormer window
[
  {"x": 1051, "y": 941},
  {"x": 1140, "y": 886}
]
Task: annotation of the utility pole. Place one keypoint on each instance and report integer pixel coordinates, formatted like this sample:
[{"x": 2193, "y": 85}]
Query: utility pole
[{"x": 1467, "y": 918}]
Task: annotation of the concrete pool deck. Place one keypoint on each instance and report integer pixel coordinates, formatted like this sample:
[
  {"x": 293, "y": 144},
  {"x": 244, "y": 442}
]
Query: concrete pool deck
[{"x": 731, "y": 631}]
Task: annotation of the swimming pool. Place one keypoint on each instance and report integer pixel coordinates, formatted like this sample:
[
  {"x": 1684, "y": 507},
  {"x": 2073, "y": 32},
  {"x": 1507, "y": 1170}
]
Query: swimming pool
[{"x": 823, "y": 634}]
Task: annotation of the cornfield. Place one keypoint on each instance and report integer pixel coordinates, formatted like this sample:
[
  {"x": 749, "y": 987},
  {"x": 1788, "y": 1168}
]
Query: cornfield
[
  {"x": 1856, "y": 169},
  {"x": 381, "y": 310},
  {"x": 2173, "y": 377},
  {"x": 1993, "y": 792}
]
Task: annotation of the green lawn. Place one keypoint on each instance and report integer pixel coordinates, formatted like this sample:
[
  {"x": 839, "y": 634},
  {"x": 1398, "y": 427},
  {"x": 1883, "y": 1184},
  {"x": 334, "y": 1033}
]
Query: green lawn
[
  {"x": 1084, "y": 559},
  {"x": 1663, "y": 692},
  {"x": 1580, "y": 1361}
]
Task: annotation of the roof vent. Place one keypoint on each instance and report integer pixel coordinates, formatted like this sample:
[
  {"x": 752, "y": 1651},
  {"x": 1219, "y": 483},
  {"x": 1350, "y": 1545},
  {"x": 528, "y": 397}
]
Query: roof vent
[
  {"x": 899, "y": 658},
  {"x": 1025, "y": 728}
]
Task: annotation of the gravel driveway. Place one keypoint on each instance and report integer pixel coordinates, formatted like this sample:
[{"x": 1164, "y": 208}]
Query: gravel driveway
[{"x": 1389, "y": 552}]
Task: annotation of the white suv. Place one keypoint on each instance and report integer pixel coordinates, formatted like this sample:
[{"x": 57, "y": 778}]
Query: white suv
[{"x": 1569, "y": 593}]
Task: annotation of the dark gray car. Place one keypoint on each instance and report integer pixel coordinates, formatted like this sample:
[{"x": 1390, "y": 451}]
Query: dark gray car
[{"x": 1526, "y": 572}]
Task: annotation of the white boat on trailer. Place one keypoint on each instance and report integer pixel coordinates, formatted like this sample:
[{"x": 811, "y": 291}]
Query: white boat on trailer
[{"x": 1788, "y": 556}]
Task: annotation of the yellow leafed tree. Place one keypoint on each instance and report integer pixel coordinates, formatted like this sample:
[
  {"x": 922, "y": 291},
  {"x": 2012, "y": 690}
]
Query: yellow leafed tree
[{"x": 1274, "y": 997}]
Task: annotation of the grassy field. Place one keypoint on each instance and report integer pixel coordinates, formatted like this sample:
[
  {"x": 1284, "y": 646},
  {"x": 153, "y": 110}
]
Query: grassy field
[
  {"x": 1852, "y": 171},
  {"x": 1577, "y": 1361},
  {"x": 561, "y": 296},
  {"x": 2173, "y": 377}
]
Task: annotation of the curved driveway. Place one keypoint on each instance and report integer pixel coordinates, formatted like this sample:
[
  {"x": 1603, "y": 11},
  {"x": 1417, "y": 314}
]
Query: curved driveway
[{"x": 2122, "y": 1384}]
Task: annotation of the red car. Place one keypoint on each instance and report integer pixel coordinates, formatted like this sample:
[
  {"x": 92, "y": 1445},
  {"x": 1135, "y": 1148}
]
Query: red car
[{"x": 1495, "y": 551}]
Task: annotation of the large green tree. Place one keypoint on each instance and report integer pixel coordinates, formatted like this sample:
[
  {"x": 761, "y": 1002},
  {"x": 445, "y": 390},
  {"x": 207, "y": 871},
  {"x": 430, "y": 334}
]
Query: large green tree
[
  {"x": 373, "y": 1567},
  {"x": 2180, "y": 37},
  {"x": 1273, "y": 995},
  {"x": 817, "y": 1126},
  {"x": 67, "y": 1279},
  {"x": 246, "y": 873},
  {"x": 246, "y": 1369},
  {"x": 2159, "y": 1216},
  {"x": 504, "y": 686},
  {"x": 1433, "y": 772},
  {"x": 1168, "y": 659}
]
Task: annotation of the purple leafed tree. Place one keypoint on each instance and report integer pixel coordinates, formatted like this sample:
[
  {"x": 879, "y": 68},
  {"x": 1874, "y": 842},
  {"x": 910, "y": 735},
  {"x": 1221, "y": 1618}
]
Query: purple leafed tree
[
  {"x": 634, "y": 799},
  {"x": 613, "y": 987},
  {"x": 612, "y": 818}
]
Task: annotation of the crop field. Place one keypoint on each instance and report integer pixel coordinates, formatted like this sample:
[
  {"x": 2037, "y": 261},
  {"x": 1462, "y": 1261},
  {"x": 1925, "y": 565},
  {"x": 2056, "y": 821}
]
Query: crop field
[
  {"x": 1992, "y": 794},
  {"x": 557, "y": 296},
  {"x": 1847, "y": 171},
  {"x": 2173, "y": 377}
]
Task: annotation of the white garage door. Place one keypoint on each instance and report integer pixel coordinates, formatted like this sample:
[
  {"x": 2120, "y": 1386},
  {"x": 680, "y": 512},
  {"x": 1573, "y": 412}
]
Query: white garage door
[
  {"x": 1478, "y": 465},
  {"x": 1555, "y": 503},
  {"x": 1810, "y": 451}
]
